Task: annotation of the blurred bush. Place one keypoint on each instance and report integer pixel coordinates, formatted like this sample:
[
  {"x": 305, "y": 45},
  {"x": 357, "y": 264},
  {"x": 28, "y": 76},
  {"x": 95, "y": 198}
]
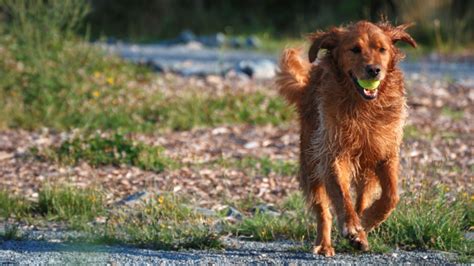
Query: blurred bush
[{"x": 50, "y": 75}]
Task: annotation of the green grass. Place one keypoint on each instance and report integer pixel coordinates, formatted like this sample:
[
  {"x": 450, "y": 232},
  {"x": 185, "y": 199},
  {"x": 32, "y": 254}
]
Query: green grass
[
  {"x": 165, "y": 222},
  {"x": 118, "y": 150},
  {"x": 12, "y": 206},
  {"x": 58, "y": 202},
  {"x": 77, "y": 207},
  {"x": 413, "y": 132},
  {"x": 64, "y": 203},
  {"x": 114, "y": 150},
  {"x": 454, "y": 114},
  {"x": 11, "y": 232},
  {"x": 434, "y": 220},
  {"x": 430, "y": 221},
  {"x": 195, "y": 109},
  {"x": 259, "y": 165},
  {"x": 55, "y": 79}
]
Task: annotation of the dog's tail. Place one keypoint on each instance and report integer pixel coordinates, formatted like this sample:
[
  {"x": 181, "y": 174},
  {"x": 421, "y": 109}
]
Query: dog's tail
[{"x": 293, "y": 76}]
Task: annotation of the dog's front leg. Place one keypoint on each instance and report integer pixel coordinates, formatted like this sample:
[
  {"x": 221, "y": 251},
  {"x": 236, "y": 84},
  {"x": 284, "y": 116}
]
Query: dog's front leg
[
  {"x": 338, "y": 188},
  {"x": 387, "y": 172}
]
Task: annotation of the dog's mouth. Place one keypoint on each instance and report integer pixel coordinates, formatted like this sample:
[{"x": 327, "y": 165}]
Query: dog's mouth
[{"x": 368, "y": 93}]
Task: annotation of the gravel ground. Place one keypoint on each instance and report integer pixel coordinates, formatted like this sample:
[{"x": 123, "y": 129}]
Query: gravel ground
[{"x": 236, "y": 252}]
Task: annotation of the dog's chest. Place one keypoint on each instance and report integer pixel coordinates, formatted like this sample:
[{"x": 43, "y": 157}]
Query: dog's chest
[{"x": 367, "y": 136}]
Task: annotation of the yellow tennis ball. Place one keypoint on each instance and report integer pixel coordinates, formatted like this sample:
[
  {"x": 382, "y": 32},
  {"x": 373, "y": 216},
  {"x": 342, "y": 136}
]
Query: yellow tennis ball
[{"x": 368, "y": 84}]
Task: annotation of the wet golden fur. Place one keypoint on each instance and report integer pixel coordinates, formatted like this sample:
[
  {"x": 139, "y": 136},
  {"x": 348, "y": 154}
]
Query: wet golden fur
[{"x": 346, "y": 139}]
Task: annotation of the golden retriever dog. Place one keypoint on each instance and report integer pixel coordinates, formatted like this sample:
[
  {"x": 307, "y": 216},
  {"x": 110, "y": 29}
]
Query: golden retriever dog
[{"x": 350, "y": 135}]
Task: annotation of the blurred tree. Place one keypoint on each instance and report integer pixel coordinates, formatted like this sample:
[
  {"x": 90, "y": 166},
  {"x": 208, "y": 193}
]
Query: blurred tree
[{"x": 154, "y": 19}]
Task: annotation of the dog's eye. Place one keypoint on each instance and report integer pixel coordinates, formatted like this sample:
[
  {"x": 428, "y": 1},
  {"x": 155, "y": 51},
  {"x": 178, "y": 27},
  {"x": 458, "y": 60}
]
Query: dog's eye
[
  {"x": 382, "y": 50},
  {"x": 356, "y": 50}
]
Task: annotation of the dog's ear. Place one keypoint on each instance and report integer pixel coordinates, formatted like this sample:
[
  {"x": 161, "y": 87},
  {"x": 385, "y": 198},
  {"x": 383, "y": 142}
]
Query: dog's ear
[
  {"x": 322, "y": 40},
  {"x": 399, "y": 33}
]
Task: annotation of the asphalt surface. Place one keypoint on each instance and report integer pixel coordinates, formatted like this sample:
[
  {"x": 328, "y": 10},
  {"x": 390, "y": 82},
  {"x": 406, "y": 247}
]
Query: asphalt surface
[{"x": 236, "y": 252}]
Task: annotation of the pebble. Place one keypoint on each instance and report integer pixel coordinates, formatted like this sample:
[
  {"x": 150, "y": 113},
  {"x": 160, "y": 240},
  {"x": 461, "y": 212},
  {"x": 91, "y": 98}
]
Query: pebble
[
  {"x": 268, "y": 209},
  {"x": 232, "y": 214}
]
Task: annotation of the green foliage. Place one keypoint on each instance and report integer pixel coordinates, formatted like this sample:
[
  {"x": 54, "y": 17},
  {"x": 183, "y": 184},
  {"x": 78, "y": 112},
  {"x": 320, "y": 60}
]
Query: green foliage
[
  {"x": 456, "y": 115},
  {"x": 52, "y": 78},
  {"x": 442, "y": 24},
  {"x": 433, "y": 220},
  {"x": 204, "y": 109},
  {"x": 12, "y": 232},
  {"x": 12, "y": 206},
  {"x": 69, "y": 203},
  {"x": 43, "y": 24},
  {"x": 260, "y": 166},
  {"x": 50, "y": 74},
  {"x": 294, "y": 223},
  {"x": 114, "y": 150},
  {"x": 164, "y": 222},
  {"x": 429, "y": 221}
]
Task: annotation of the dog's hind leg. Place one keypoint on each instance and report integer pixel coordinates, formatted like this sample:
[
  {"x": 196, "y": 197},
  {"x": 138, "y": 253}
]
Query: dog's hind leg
[
  {"x": 320, "y": 205},
  {"x": 338, "y": 189},
  {"x": 387, "y": 173}
]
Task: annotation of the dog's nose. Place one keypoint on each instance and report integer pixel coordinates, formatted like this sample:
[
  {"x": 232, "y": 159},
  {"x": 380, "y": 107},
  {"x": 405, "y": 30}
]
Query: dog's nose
[{"x": 372, "y": 70}]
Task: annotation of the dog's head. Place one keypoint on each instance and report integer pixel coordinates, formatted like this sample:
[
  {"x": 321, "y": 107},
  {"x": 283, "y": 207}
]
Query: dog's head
[{"x": 364, "y": 52}]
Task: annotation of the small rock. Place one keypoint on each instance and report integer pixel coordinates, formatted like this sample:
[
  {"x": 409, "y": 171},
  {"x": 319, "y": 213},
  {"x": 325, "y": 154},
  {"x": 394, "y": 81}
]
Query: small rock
[
  {"x": 216, "y": 40},
  {"x": 135, "y": 198},
  {"x": 261, "y": 69},
  {"x": 266, "y": 209},
  {"x": 205, "y": 211},
  {"x": 469, "y": 235},
  {"x": 100, "y": 219},
  {"x": 155, "y": 66},
  {"x": 111, "y": 40},
  {"x": 5, "y": 155},
  {"x": 232, "y": 213},
  {"x": 220, "y": 130},
  {"x": 253, "y": 42},
  {"x": 236, "y": 43},
  {"x": 186, "y": 36},
  {"x": 251, "y": 145}
]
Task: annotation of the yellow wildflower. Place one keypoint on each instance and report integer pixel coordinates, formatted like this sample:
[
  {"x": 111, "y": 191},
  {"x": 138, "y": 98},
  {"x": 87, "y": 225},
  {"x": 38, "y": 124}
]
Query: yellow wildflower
[
  {"x": 97, "y": 74},
  {"x": 110, "y": 81},
  {"x": 96, "y": 94},
  {"x": 161, "y": 199}
]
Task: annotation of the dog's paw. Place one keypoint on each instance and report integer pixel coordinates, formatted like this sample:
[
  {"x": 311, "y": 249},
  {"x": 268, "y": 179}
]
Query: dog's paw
[
  {"x": 356, "y": 235},
  {"x": 359, "y": 241},
  {"x": 324, "y": 250}
]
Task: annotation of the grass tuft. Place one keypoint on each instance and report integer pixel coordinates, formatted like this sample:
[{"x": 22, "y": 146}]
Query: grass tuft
[
  {"x": 434, "y": 220},
  {"x": 12, "y": 232},
  {"x": 108, "y": 150},
  {"x": 67, "y": 203},
  {"x": 260, "y": 165},
  {"x": 164, "y": 222},
  {"x": 12, "y": 206},
  {"x": 431, "y": 221}
]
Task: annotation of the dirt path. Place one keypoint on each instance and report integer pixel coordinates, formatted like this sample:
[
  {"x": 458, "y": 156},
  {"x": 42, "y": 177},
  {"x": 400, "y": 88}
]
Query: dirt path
[{"x": 236, "y": 252}]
